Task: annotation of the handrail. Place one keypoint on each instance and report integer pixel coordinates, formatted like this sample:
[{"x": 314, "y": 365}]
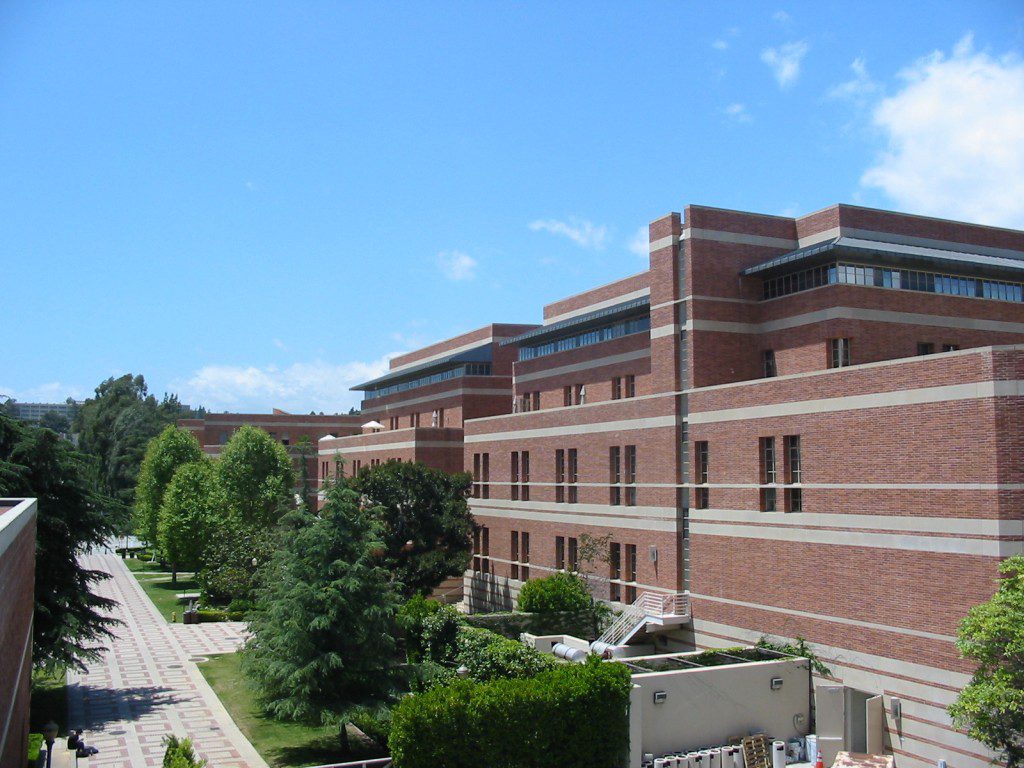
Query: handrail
[
  {"x": 656, "y": 605},
  {"x": 376, "y": 762}
]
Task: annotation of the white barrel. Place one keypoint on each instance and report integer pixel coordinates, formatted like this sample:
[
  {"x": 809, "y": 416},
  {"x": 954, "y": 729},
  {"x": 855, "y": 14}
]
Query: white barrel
[
  {"x": 659, "y": 762},
  {"x": 687, "y": 760},
  {"x": 778, "y": 754},
  {"x": 697, "y": 760},
  {"x": 716, "y": 757},
  {"x": 738, "y": 760},
  {"x": 811, "y": 742},
  {"x": 728, "y": 761}
]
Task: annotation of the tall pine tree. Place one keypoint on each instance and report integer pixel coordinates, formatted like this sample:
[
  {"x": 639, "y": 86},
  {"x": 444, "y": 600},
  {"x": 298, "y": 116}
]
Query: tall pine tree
[{"x": 323, "y": 629}]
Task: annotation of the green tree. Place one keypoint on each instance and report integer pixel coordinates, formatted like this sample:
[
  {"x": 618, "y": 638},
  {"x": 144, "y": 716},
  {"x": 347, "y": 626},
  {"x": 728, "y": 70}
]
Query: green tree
[
  {"x": 171, "y": 449},
  {"x": 58, "y": 422},
  {"x": 306, "y": 449},
  {"x": 256, "y": 477},
  {"x": 323, "y": 627},
  {"x": 190, "y": 505},
  {"x": 427, "y": 526},
  {"x": 991, "y": 707},
  {"x": 116, "y": 425},
  {"x": 69, "y": 618}
]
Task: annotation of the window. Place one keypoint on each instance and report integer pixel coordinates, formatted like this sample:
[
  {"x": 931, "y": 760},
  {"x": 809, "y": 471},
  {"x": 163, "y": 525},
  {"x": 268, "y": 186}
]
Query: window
[
  {"x": 574, "y": 562},
  {"x": 514, "y": 476},
  {"x": 586, "y": 338},
  {"x": 567, "y": 395},
  {"x": 573, "y": 475},
  {"x": 466, "y": 369},
  {"x": 616, "y": 388},
  {"x": 768, "y": 363},
  {"x": 414, "y": 419},
  {"x": 524, "y": 556},
  {"x": 630, "y": 385},
  {"x": 524, "y": 467},
  {"x": 631, "y": 573},
  {"x": 286, "y": 439},
  {"x": 536, "y": 400},
  {"x": 839, "y": 353},
  {"x": 615, "y": 475},
  {"x": 581, "y": 394},
  {"x": 485, "y": 467},
  {"x": 393, "y": 422},
  {"x": 794, "y": 473},
  {"x": 559, "y": 476},
  {"x": 514, "y": 556},
  {"x": 950, "y": 347},
  {"x": 482, "y": 549},
  {"x": 925, "y": 348},
  {"x": 435, "y": 419},
  {"x": 700, "y": 475},
  {"x": 768, "y": 477},
  {"x": 630, "y": 475},
  {"x": 559, "y": 552},
  {"x": 476, "y": 475},
  {"x": 614, "y": 571}
]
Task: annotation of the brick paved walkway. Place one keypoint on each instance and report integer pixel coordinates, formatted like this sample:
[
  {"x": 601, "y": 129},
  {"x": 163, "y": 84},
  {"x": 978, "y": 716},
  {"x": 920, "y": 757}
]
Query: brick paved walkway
[{"x": 145, "y": 686}]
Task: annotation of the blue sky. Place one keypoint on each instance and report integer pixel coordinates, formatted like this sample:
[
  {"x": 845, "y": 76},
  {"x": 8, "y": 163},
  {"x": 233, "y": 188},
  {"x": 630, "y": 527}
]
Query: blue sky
[{"x": 255, "y": 204}]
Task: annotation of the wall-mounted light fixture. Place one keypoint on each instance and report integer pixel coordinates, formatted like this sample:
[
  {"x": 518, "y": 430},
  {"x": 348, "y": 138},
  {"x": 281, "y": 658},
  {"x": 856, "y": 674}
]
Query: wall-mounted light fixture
[
  {"x": 776, "y": 683},
  {"x": 660, "y": 697}
]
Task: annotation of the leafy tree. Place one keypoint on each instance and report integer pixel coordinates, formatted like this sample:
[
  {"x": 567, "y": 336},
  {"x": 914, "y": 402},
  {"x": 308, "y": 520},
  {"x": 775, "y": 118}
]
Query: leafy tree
[
  {"x": 233, "y": 557},
  {"x": 322, "y": 630},
  {"x": 72, "y": 517},
  {"x": 171, "y": 449},
  {"x": 427, "y": 526},
  {"x": 58, "y": 422},
  {"x": 306, "y": 449},
  {"x": 991, "y": 707},
  {"x": 116, "y": 425},
  {"x": 189, "y": 508},
  {"x": 255, "y": 474}
]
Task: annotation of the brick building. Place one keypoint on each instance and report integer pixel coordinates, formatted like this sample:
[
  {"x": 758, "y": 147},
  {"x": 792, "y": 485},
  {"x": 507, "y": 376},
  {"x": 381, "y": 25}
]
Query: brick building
[
  {"x": 213, "y": 431},
  {"x": 416, "y": 411},
  {"x": 790, "y": 426},
  {"x": 17, "y": 585}
]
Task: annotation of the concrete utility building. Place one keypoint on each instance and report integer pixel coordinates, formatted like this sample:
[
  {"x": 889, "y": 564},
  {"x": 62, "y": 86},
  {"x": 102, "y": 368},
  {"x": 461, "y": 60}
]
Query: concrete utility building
[
  {"x": 785, "y": 427},
  {"x": 17, "y": 588}
]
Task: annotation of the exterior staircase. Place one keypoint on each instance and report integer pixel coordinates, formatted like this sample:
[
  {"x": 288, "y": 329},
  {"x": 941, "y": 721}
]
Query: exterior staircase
[{"x": 650, "y": 609}]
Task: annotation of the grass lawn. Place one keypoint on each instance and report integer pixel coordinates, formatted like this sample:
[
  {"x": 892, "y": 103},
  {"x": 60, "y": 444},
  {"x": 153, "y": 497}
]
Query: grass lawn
[
  {"x": 159, "y": 588},
  {"x": 49, "y": 700},
  {"x": 282, "y": 745}
]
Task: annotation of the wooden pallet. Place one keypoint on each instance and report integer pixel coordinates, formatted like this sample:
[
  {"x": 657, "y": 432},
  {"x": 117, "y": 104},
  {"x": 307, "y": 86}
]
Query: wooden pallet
[{"x": 757, "y": 752}]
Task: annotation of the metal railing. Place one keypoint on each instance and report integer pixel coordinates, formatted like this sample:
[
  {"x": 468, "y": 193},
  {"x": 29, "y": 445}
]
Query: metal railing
[
  {"x": 377, "y": 762},
  {"x": 648, "y": 605}
]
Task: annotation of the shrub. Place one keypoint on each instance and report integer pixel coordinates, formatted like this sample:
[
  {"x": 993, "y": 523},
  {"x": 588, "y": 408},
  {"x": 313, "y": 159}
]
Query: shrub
[
  {"x": 558, "y": 592},
  {"x": 410, "y": 618},
  {"x": 179, "y": 754},
  {"x": 573, "y": 715},
  {"x": 440, "y": 632},
  {"x": 35, "y": 746},
  {"x": 375, "y": 723},
  {"x": 505, "y": 658}
]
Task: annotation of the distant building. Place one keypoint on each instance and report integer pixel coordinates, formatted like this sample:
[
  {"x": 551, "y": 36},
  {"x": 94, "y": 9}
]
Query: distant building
[
  {"x": 17, "y": 585},
  {"x": 36, "y": 411},
  {"x": 213, "y": 430}
]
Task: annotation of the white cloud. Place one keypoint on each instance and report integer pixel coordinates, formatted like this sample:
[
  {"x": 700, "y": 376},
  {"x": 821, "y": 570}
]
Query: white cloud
[
  {"x": 300, "y": 387},
  {"x": 781, "y": 16},
  {"x": 785, "y": 61},
  {"x": 720, "y": 45},
  {"x": 955, "y": 138},
  {"x": 738, "y": 112},
  {"x": 641, "y": 243},
  {"x": 582, "y": 232},
  {"x": 280, "y": 344},
  {"x": 860, "y": 88},
  {"x": 456, "y": 265}
]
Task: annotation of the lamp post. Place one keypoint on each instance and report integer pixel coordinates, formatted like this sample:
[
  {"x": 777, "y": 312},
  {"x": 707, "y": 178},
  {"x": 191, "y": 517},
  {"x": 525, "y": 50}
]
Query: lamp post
[{"x": 50, "y": 735}]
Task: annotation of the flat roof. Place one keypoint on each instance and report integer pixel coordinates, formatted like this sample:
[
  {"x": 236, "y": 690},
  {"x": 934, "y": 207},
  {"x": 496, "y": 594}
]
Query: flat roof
[
  {"x": 481, "y": 354},
  {"x": 580, "y": 322},
  {"x": 895, "y": 253}
]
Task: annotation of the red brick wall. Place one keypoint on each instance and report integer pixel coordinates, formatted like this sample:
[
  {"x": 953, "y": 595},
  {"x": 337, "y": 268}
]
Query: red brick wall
[{"x": 17, "y": 576}]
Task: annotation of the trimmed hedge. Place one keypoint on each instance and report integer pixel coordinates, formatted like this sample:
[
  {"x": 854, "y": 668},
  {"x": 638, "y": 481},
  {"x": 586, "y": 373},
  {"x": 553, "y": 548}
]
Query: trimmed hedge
[
  {"x": 560, "y": 591},
  {"x": 179, "y": 754},
  {"x": 206, "y": 616},
  {"x": 573, "y": 716},
  {"x": 511, "y": 624}
]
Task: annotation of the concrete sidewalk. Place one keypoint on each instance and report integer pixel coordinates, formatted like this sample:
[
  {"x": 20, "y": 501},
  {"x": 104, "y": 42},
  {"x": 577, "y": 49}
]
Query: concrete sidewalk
[{"x": 146, "y": 686}]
